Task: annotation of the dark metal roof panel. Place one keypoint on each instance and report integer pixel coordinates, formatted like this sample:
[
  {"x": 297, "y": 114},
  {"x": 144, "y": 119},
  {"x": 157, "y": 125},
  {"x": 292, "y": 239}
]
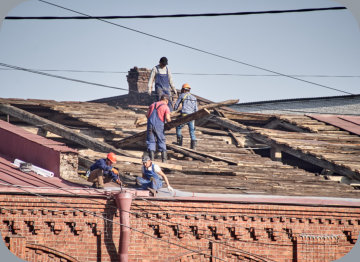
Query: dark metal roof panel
[{"x": 348, "y": 123}]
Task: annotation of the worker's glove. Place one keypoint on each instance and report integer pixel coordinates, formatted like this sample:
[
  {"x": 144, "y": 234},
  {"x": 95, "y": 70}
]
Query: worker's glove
[
  {"x": 170, "y": 189},
  {"x": 175, "y": 93},
  {"x": 115, "y": 170}
]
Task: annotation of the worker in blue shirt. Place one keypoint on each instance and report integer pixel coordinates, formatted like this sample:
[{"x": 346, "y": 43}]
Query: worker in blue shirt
[
  {"x": 188, "y": 105},
  {"x": 102, "y": 171}
]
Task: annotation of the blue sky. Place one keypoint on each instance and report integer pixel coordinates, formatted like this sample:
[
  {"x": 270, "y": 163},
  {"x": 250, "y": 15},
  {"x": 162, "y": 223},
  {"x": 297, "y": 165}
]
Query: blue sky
[{"x": 314, "y": 43}]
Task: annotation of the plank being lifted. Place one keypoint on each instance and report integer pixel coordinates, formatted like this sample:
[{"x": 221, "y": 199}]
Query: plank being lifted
[
  {"x": 61, "y": 130},
  {"x": 143, "y": 121},
  {"x": 174, "y": 123}
]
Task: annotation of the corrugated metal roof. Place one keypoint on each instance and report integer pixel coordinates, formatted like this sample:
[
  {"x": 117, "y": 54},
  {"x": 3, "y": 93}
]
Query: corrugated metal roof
[{"x": 348, "y": 123}]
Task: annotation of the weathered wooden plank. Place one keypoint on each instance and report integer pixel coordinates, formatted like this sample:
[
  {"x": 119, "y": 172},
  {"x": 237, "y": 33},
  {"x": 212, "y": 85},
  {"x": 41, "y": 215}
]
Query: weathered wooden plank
[
  {"x": 134, "y": 160},
  {"x": 61, "y": 130},
  {"x": 183, "y": 151},
  {"x": 142, "y": 121},
  {"x": 231, "y": 162}
]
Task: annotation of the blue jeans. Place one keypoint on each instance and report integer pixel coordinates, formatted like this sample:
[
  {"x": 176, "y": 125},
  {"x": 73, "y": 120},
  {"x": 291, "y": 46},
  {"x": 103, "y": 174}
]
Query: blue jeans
[{"x": 191, "y": 126}]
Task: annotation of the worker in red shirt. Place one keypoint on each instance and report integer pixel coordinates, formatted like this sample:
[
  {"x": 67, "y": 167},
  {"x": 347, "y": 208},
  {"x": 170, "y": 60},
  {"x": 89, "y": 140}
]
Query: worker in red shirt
[{"x": 157, "y": 114}]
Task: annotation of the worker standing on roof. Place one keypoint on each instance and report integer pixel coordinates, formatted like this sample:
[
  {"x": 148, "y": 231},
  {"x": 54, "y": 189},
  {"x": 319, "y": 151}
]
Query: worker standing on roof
[
  {"x": 102, "y": 171},
  {"x": 188, "y": 105},
  {"x": 163, "y": 81},
  {"x": 157, "y": 114},
  {"x": 152, "y": 177}
]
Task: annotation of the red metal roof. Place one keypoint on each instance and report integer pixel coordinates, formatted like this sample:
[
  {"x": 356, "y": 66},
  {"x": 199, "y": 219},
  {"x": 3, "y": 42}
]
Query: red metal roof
[
  {"x": 13, "y": 180},
  {"x": 35, "y": 138},
  {"x": 348, "y": 123}
]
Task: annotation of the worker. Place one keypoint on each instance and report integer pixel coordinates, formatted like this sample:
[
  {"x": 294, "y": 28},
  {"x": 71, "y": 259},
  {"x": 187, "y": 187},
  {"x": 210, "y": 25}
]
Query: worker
[
  {"x": 152, "y": 177},
  {"x": 102, "y": 171},
  {"x": 163, "y": 81},
  {"x": 157, "y": 114},
  {"x": 188, "y": 105}
]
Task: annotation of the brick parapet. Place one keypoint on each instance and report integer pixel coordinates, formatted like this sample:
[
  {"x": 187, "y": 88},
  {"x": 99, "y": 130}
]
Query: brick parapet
[{"x": 230, "y": 231}]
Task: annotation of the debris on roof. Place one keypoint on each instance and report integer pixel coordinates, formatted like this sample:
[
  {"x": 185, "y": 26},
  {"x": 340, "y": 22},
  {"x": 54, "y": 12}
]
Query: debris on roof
[{"x": 237, "y": 153}]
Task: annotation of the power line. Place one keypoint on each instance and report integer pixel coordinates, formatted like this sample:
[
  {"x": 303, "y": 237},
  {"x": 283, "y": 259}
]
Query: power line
[
  {"x": 172, "y": 16},
  {"x": 196, "y": 49},
  {"x": 60, "y": 77},
  {"x": 175, "y": 73}
]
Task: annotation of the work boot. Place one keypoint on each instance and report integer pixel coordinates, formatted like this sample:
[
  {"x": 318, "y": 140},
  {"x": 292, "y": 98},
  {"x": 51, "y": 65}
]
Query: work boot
[
  {"x": 180, "y": 140},
  {"x": 100, "y": 182},
  {"x": 163, "y": 156},
  {"x": 152, "y": 155},
  {"x": 193, "y": 144}
]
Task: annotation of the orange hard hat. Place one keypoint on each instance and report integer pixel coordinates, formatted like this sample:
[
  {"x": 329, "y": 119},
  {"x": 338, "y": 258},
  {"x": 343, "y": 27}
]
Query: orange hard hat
[
  {"x": 111, "y": 156},
  {"x": 186, "y": 86}
]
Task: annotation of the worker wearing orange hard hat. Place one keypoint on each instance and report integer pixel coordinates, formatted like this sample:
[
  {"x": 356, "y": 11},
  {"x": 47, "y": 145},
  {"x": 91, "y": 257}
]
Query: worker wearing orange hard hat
[
  {"x": 187, "y": 103},
  {"x": 102, "y": 171}
]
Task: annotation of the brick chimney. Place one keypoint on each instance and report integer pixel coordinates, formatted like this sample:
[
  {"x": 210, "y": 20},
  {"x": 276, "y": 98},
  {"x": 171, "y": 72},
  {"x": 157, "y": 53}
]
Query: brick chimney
[{"x": 138, "y": 80}]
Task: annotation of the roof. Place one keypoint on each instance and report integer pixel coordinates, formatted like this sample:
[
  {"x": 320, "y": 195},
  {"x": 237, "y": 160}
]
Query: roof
[
  {"x": 348, "y": 123},
  {"x": 233, "y": 153},
  {"x": 336, "y": 105},
  {"x": 12, "y": 179}
]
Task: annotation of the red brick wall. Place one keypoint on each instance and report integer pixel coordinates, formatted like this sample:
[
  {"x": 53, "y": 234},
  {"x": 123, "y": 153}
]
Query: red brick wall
[{"x": 56, "y": 232}]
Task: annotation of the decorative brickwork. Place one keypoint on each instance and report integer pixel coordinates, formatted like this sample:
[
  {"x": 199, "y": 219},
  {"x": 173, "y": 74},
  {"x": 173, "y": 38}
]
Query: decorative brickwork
[{"x": 61, "y": 228}]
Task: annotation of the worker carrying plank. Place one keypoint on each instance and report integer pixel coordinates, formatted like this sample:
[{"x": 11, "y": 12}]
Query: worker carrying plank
[
  {"x": 163, "y": 81},
  {"x": 102, "y": 171},
  {"x": 188, "y": 105},
  {"x": 157, "y": 114},
  {"x": 152, "y": 176}
]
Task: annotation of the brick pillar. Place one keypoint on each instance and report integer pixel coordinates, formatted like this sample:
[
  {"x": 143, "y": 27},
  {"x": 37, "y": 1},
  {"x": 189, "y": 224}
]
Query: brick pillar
[
  {"x": 138, "y": 80},
  {"x": 17, "y": 246}
]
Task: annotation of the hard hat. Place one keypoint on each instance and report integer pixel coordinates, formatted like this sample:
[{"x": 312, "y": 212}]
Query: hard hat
[
  {"x": 186, "y": 86},
  {"x": 111, "y": 156}
]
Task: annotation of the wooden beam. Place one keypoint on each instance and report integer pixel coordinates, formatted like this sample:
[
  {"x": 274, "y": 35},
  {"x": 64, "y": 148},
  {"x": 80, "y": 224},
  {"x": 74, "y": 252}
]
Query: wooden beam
[
  {"x": 308, "y": 157},
  {"x": 87, "y": 162},
  {"x": 231, "y": 162},
  {"x": 185, "y": 152},
  {"x": 61, "y": 130},
  {"x": 277, "y": 122},
  {"x": 229, "y": 124},
  {"x": 142, "y": 121},
  {"x": 142, "y": 135},
  {"x": 234, "y": 126}
]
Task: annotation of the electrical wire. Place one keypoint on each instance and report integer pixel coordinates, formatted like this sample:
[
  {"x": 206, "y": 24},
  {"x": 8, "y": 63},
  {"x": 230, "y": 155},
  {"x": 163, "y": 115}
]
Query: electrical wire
[
  {"x": 194, "y": 74},
  {"x": 197, "y": 49},
  {"x": 173, "y": 16},
  {"x": 61, "y": 77}
]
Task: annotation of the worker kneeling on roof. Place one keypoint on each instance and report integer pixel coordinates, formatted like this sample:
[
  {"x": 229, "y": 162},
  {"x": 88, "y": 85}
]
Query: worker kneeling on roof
[
  {"x": 102, "y": 171},
  {"x": 188, "y": 105},
  {"x": 152, "y": 176}
]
